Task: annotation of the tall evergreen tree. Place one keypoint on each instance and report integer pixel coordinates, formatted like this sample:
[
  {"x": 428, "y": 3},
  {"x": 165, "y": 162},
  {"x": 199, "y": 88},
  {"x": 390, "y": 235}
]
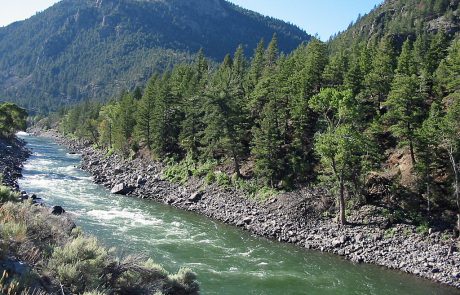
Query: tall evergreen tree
[
  {"x": 192, "y": 126},
  {"x": 124, "y": 122},
  {"x": 405, "y": 110},
  {"x": 224, "y": 119},
  {"x": 378, "y": 80},
  {"x": 145, "y": 112},
  {"x": 267, "y": 146},
  {"x": 257, "y": 67}
]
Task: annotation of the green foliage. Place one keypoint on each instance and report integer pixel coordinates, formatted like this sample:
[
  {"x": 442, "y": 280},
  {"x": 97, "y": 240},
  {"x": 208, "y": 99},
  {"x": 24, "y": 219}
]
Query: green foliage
[
  {"x": 180, "y": 172},
  {"x": 405, "y": 109},
  {"x": 80, "y": 264},
  {"x": 12, "y": 119},
  {"x": 123, "y": 123},
  {"x": 7, "y": 195}
]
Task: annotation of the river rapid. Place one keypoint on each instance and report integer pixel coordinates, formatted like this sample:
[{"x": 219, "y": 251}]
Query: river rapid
[{"x": 227, "y": 260}]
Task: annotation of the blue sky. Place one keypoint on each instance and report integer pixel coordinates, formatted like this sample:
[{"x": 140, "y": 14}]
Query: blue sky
[{"x": 324, "y": 17}]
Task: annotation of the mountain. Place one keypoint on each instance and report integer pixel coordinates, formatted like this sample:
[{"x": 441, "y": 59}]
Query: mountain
[
  {"x": 96, "y": 48},
  {"x": 401, "y": 19}
]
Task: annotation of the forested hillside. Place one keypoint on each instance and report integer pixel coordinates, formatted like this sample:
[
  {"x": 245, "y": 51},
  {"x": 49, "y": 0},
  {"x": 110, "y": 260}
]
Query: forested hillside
[
  {"x": 374, "y": 118},
  {"x": 90, "y": 49}
]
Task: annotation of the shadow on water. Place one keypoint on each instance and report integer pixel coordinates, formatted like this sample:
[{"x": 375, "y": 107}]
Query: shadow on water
[{"x": 226, "y": 259}]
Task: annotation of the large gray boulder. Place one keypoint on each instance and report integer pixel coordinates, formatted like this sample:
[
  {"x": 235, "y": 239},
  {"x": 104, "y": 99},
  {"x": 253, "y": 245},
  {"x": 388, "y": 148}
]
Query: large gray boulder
[{"x": 120, "y": 189}]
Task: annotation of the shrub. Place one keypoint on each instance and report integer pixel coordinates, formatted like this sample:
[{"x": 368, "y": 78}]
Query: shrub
[
  {"x": 135, "y": 275},
  {"x": 7, "y": 195},
  {"x": 184, "y": 280},
  {"x": 222, "y": 179},
  {"x": 14, "y": 231},
  {"x": 80, "y": 264},
  {"x": 423, "y": 228}
]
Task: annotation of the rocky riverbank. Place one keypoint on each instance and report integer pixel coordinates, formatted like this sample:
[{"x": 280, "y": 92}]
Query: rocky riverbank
[
  {"x": 13, "y": 154},
  {"x": 294, "y": 217}
]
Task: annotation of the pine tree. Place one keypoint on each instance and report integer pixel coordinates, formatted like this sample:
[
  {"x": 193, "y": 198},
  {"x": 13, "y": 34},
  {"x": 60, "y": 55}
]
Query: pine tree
[
  {"x": 447, "y": 77},
  {"x": 271, "y": 54},
  {"x": 223, "y": 135},
  {"x": 378, "y": 81},
  {"x": 145, "y": 112},
  {"x": 354, "y": 77},
  {"x": 436, "y": 52},
  {"x": 124, "y": 122},
  {"x": 406, "y": 64},
  {"x": 405, "y": 110},
  {"x": 257, "y": 67},
  {"x": 305, "y": 81},
  {"x": 166, "y": 118},
  {"x": 192, "y": 126},
  {"x": 449, "y": 140},
  {"x": 335, "y": 70},
  {"x": 267, "y": 142},
  {"x": 427, "y": 149}
]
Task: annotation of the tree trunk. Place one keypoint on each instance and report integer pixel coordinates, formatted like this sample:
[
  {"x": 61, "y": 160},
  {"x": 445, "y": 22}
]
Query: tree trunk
[
  {"x": 110, "y": 135},
  {"x": 236, "y": 164},
  {"x": 428, "y": 193},
  {"x": 343, "y": 220},
  {"x": 456, "y": 188}
]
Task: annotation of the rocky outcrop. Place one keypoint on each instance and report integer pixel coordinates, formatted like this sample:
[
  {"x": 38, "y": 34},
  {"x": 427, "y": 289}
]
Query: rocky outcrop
[
  {"x": 13, "y": 154},
  {"x": 294, "y": 217}
]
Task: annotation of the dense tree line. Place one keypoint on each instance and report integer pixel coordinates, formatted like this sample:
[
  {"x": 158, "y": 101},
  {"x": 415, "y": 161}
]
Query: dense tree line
[{"x": 291, "y": 119}]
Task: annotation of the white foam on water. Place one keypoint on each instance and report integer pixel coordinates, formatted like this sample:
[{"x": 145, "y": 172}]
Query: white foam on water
[
  {"x": 176, "y": 224},
  {"x": 262, "y": 264},
  {"x": 22, "y": 133},
  {"x": 135, "y": 218}
]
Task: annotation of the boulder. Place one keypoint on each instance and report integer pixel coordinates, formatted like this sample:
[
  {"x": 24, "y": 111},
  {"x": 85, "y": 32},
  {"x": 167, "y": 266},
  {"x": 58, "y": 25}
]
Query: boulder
[
  {"x": 140, "y": 181},
  {"x": 120, "y": 189},
  {"x": 195, "y": 197},
  {"x": 57, "y": 210},
  {"x": 118, "y": 170},
  {"x": 247, "y": 220}
]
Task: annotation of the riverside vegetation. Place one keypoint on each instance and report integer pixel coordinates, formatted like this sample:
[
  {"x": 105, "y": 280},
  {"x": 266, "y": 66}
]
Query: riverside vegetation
[
  {"x": 60, "y": 259},
  {"x": 43, "y": 252},
  {"x": 373, "y": 119}
]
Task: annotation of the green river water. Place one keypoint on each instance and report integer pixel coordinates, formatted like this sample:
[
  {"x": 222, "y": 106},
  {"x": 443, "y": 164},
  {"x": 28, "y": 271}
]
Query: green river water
[{"x": 227, "y": 260}]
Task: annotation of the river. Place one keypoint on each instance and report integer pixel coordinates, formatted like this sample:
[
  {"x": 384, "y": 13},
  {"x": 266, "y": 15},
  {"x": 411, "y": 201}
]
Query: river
[{"x": 227, "y": 260}]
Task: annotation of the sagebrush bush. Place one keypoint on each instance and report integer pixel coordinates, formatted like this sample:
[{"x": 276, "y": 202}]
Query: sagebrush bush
[
  {"x": 185, "y": 280},
  {"x": 80, "y": 264},
  {"x": 7, "y": 195}
]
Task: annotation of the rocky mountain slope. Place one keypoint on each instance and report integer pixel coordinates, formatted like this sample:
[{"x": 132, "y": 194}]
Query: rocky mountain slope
[{"x": 96, "y": 48}]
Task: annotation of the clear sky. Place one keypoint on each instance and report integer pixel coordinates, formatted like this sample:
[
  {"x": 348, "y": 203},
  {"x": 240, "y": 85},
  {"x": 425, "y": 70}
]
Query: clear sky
[{"x": 324, "y": 17}]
